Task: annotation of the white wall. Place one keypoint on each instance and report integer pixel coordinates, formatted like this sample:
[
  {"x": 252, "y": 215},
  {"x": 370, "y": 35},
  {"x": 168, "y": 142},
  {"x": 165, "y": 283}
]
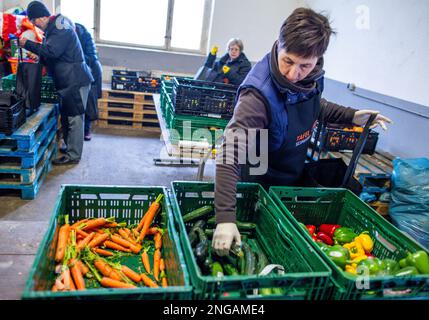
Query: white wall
[
  {"x": 256, "y": 22},
  {"x": 391, "y": 57}
]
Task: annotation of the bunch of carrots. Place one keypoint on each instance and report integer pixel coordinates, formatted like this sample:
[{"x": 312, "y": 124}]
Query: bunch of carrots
[{"x": 89, "y": 247}]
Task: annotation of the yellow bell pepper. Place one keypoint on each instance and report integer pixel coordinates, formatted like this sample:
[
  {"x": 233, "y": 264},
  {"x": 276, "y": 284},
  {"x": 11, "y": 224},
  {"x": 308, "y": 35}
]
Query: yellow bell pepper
[
  {"x": 352, "y": 268},
  {"x": 360, "y": 258},
  {"x": 355, "y": 248},
  {"x": 366, "y": 242}
]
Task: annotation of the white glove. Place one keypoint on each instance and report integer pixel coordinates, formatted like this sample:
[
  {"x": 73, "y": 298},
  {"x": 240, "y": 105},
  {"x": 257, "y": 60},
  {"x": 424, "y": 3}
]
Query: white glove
[
  {"x": 223, "y": 237},
  {"x": 361, "y": 117}
]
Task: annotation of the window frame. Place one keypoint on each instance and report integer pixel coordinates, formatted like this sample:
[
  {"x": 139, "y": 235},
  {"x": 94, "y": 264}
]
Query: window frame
[{"x": 207, "y": 14}]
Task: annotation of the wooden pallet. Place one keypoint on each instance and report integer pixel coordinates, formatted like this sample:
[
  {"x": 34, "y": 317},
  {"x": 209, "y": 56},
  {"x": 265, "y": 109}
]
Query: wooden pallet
[
  {"x": 125, "y": 105},
  {"x": 121, "y": 124},
  {"x": 29, "y": 134},
  {"x": 127, "y": 96}
]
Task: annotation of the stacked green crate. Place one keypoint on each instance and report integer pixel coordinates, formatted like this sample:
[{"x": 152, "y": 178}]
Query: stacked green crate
[
  {"x": 184, "y": 127},
  {"x": 48, "y": 91}
]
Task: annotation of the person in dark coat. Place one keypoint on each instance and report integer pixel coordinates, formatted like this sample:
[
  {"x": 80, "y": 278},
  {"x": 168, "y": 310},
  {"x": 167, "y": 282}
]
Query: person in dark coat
[
  {"x": 232, "y": 68},
  {"x": 91, "y": 59},
  {"x": 62, "y": 53}
]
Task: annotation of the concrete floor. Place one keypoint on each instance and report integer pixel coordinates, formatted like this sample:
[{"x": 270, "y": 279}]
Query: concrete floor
[{"x": 111, "y": 158}]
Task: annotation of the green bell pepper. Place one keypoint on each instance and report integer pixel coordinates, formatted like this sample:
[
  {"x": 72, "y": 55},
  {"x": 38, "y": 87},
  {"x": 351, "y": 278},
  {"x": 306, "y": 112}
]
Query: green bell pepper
[
  {"x": 407, "y": 271},
  {"x": 339, "y": 255},
  {"x": 344, "y": 235},
  {"x": 323, "y": 246},
  {"x": 373, "y": 265},
  {"x": 389, "y": 267},
  {"x": 420, "y": 260}
]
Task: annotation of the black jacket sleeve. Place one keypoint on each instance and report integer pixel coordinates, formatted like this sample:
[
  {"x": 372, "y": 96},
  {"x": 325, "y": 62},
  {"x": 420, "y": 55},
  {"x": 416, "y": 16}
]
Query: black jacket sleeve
[
  {"x": 55, "y": 45},
  {"x": 238, "y": 77},
  {"x": 211, "y": 58},
  {"x": 335, "y": 113}
]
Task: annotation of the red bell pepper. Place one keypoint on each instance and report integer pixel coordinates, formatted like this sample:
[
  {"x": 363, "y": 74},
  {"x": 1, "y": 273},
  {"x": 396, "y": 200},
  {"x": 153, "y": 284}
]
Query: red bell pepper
[
  {"x": 325, "y": 238},
  {"x": 329, "y": 229},
  {"x": 311, "y": 228}
]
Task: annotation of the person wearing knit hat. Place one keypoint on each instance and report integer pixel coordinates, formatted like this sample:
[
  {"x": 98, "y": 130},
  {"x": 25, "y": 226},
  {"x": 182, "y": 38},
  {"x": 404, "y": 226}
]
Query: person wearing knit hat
[
  {"x": 62, "y": 53},
  {"x": 37, "y": 9}
]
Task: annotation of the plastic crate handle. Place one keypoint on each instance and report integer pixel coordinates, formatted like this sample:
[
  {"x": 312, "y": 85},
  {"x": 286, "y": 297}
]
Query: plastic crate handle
[{"x": 358, "y": 150}]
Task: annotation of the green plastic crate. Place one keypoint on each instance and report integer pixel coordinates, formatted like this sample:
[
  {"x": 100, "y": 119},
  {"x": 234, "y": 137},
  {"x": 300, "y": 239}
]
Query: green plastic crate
[
  {"x": 127, "y": 204},
  {"x": 340, "y": 206},
  {"x": 306, "y": 275},
  {"x": 48, "y": 92}
]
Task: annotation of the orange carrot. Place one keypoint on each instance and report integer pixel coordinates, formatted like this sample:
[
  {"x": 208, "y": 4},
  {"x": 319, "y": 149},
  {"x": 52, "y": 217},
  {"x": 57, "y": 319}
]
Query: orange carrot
[
  {"x": 72, "y": 285},
  {"x": 77, "y": 275},
  {"x": 164, "y": 282},
  {"x": 68, "y": 284},
  {"x": 78, "y": 223},
  {"x": 111, "y": 225},
  {"x": 158, "y": 240},
  {"x": 80, "y": 232},
  {"x": 99, "y": 231},
  {"x": 80, "y": 237},
  {"x": 161, "y": 265},
  {"x": 156, "y": 261},
  {"x": 103, "y": 252},
  {"x": 148, "y": 281},
  {"x": 127, "y": 236},
  {"x": 63, "y": 237},
  {"x": 131, "y": 274},
  {"x": 83, "y": 268},
  {"x": 140, "y": 226},
  {"x": 145, "y": 260},
  {"x": 151, "y": 213},
  {"x": 152, "y": 231},
  {"x": 85, "y": 241},
  {"x": 107, "y": 270},
  {"x": 115, "y": 246},
  {"x": 136, "y": 234},
  {"x": 98, "y": 239},
  {"x": 126, "y": 244},
  {"x": 94, "y": 223},
  {"x": 113, "y": 283}
]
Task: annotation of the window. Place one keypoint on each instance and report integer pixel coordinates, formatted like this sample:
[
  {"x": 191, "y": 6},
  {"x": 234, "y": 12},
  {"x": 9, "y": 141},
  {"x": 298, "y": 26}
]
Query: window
[
  {"x": 179, "y": 25},
  {"x": 79, "y": 11}
]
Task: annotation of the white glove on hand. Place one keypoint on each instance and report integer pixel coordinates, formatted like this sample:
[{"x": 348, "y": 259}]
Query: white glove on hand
[
  {"x": 361, "y": 117},
  {"x": 223, "y": 237}
]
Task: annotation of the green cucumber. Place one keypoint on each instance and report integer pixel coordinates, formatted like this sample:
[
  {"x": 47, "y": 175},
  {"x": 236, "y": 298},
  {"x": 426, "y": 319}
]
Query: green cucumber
[
  {"x": 192, "y": 235},
  {"x": 230, "y": 270},
  {"x": 262, "y": 260},
  {"x": 197, "y": 213},
  {"x": 249, "y": 260},
  {"x": 217, "y": 270},
  {"x": 202, "y": 248}
]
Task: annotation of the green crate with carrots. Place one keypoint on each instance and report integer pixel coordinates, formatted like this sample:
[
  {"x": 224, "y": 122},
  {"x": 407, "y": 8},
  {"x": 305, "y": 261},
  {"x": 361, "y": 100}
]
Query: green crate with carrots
[
  {"x": 110, "y": 242},
  {"x": 369, "y": 257},
  {"x": 249, "y": 272}
]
